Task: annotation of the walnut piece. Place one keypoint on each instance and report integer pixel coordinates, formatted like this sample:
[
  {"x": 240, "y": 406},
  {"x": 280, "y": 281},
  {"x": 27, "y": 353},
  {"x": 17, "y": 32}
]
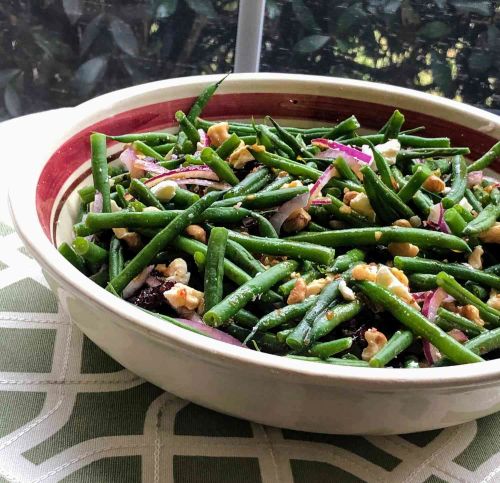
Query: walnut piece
[
  {"x": 402, "y": 223},
  {"x": 403, "y": 249},
  {"x": 472, "y": 313},
  {"x": 346, "y": 292},
  {"x": 196, "y": 232},
  {"x": 316, "y": 286},
  {"x": 182, "y": 296},
  {"x": 494, "y": 300},
  {"x": 297, "y": 221},
  {"x": 218, "y": 133},
  {"x": 376, "y": 340},
  {"x": 475, "y": 258},
  {"x": 361, "y": 204},
  {"x": 177, "y": 270},
  {"x": 298, "y": 293},
  {"x": 434, "y": 184},
  {"x": 491, "y": 235}
]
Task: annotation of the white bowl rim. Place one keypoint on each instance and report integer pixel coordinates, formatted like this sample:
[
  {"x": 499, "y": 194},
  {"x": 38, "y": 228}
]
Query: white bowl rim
[{"x": 23, "y": 211}]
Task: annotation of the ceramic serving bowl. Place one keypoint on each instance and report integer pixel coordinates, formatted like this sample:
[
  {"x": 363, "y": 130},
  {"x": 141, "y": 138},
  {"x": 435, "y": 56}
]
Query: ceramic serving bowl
[{"x": 233, "y": 380}]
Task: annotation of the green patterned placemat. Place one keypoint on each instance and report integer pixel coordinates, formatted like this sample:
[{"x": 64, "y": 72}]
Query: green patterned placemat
[{"x": 70, "y": 413}]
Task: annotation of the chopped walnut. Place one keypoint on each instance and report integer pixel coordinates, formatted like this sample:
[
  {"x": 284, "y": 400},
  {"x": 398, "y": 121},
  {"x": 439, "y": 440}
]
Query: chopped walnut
[
  {"x": 376, "y": 340},
  {"x": 218, "y": 133},
  {"x": 415, "y": 221},
  {"x": 361, "y": 204},
  {"x": 472, "y": 313},
  {"x": 403, "y": 249},
  {"x": 402, "y": 223},
  {"x": 346, "y": 210},
  {"x": 389, "y": 150},
  {"x": 491, "y": 235},
  {"x": 474, "y": 259},
  {"x": 181, "y": 295},
  {"x": 196, "y": 232},
  {"x": 177, "y": 270},
  {"x": 400, "y": 275},
  {"x": 297, "y": 221},
  {"x": 240, "y": 156},
  {"x": 387, "y": 279},
  {"x": 364, "y": 271},
  {"x": 349, "y": 196},
  {"x": 345, "y": 291},
  {"x": 494, "y": 300},
  {"x": 298, "y": 293},
  {"x": 293, "y": 184},
  {"x": 434, "y": 184},
  {"x": 131, "y": 238},
  {"x": 316, "y": 286}
]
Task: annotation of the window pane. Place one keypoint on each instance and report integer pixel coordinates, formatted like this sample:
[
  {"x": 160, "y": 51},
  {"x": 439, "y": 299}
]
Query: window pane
[
  {"x": 57, "y": 53},
  {"x": 446, "y": 47}
]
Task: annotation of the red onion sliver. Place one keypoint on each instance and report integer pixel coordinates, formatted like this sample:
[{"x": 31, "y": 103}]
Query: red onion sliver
[
  {"x": 203, "y": 182},
  {"x": 211, "y": 332},
  {"x": 458, "y": 335},
  {"x": 128, "y": 158},
  {"x": 97, "y": 204},
  {"x": 321, "y": 183},
  {"x": 474, "y": 178},
  {"x": 322, "y": 201},
  {"x": 432, "y": 303},
  {"x": 349, "y": 150},
  {"x": 286, "y": 209},
  {"x": 421, "y": 296},
  {"x": 432, "y": 355},
  {"x": 136, "y": 283},
  {"x": 153, "y": 281},
  {"x": 150, "y": 166}
]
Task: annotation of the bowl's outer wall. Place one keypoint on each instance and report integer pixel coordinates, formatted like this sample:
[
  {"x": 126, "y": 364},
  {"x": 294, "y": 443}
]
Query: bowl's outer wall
[{"x": 277, "y": 395}]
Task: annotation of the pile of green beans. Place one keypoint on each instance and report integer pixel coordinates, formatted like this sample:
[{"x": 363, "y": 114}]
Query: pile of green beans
[{"x": 286, "y": 240}]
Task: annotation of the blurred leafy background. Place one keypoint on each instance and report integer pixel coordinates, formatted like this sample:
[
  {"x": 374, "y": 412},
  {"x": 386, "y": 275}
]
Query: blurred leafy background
[{"x": 57, "y": 53}]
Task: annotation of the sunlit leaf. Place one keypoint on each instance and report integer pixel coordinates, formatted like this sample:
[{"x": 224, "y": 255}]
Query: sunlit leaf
[
  {"x": 434, "y": 30},
  {"x": 6, "y": 75},
  {"x": 89, "y": 74},
  {"x": 73, "y": 9},
  {"x": 12, "y": 101},
  {"x": 124, "y": 36},
  {"x": 480, "y": 61},
  {"x": 166, "y": 8},
  {"x": 311, "y": 43},
  {"x": 484, "y": 8},
  {"x": 202, "y": 7},
  {"x": 304, "y": 15},
  {"x": 90, "y": 33}
]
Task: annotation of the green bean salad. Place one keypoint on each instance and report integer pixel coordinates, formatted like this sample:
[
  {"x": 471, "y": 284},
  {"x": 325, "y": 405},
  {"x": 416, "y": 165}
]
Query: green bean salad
[{"x": 319, "y": 244}]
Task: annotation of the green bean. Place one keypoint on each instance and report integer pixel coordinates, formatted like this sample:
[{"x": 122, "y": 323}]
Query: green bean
[
  {"x": 184, "y": 198},
  {"x": 384, "y": 235},
  {"x": 423, "y": 153},
  {"x": 418, "y": 324},
  {"x": 271, "y": 246},
  {"x": 184, "y": 145},
  {"x": 413, "y": 130},
  {"x": 228, "y": 146},
  {"x": 231, "y": 270},
  {"x": 486, "y": 342},
  {"x": 162, "y": 239},
  {"x": 405, "y": 140},
  {"x": 476, "y": 205},
  {"x": 243, "y": 258},
  {"x": 290, "y": 140},
  {"x": 142, "y": 193},
  {"x": 86, "y": 194},
  {"x": 408, "y": 191},
  {"x": 301, "y": 335},
  {"x": 291, "y": 167},
  {"x": 260, "y": 284},
  {"x": 265, "y": 199},
  {"x": 277, "y": 183},
  {"x": 203, "y": 99},
  {"x": 101, "y": 276},
  {"x": 187, "y": 127},
  {"x": 331, "y": 360},
  {"x": 115, "y": 260},
  {"x": 99, "y": 163},
  {"x": 225, "y": 215},
  {"x": 81, "y": 229},
  {"x": 89, "y": 250},
  {"x": 486, "y": 159},
  {"x": 266, "y": 229},
  {"x": 165, "y": 148},
  {"x": 345, "y": 213},
  {"x": 250, "y": 184},
  {"x": 448, "y": 320},
  {"x": 344, "y": 262},
  {"x": 69, "y": 254},
  {"x": 129, "y": 219},
  {"x": 283, "y": 334},
  {"x": 147, "y": 150},
  {"x": 346, "y": 126},
  {"x": 422, "y": 281},
  {"x": 394, "y": 126},
  {"x": 485, "y": 220},
  {"x": 244, "y": 318},
  {"x": 262, "y": 341},
  {"x": 478, "y": 290},
  {"x": 345, "y": 170},
  {"x": 214, "y": 267},
  {"x": 221, "y": 167},
  {"x": 343, "y": 184},
  {"x": 458, "y": 182},
  {"x": 325, "y": 323},
  {"x": 324, "y": 350},
  {"x": 386, "y": 196},
  {"x": 421, "y": 200},
  {"x": 151, "y": 138},
  {"x": 455, "y": 221},
  {"x": 458, "y": 270},
  {"x": 120, "y": 196},
  {"x": 465, "y": 214},
  {"x": 315, "y": 227},
  {"x": 495, "y": 269},
  {"x": 285, "y": 288},
  {"x": 200, "y": 260},
  {"x": 400, "y": 340},
  {"x": 453, "y": 288},
  {"x": 383, "y": 168}
]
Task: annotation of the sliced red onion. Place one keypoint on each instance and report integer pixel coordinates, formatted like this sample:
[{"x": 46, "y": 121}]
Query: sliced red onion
[
  {"x": 97, "y": 204},
  {"x": 421, "y": 296},
  {"x": 136, "y": 283},
  {"x": 204, "y": 182},
  {"x": 147, "y": 164},
  {"x": 211, "y": 332},
  {"x": 321, "y": 183},
  {"x": 321, "y": 201},
  {"x": 432, "y": 303},
  {"x": 152, "y": 281},
  {"x": 432, "y": 355},
  {"x": 474, "y": 178},
  {"x": 349, "y": 150},
  {"x": 458, "y": 335},
  {"x": 286, "y": 209},
  {"x": 204, "y": 139},
  {"x": 435, "y": 219},
  {"x": 128, "y": 158}
]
